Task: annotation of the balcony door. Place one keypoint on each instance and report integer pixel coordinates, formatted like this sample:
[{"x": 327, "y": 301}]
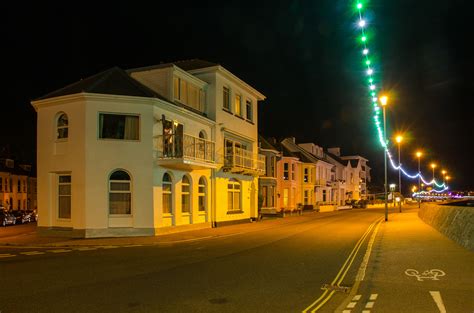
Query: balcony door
[
  {"x": 235, "y": 153},
  {"x": 172, "y": 139}
]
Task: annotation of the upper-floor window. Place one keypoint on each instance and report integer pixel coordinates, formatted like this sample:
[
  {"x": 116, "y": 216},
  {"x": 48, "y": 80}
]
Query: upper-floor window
[
  {"x": 19, "y": 185},
  {"x": 62, "y": 126},
  {"x": 1, "y": 184},
  {"x": 238, "y": 105},
  {"x": 306, "y": 175},
  {"x": 248, "y": 109},
  {"x": 226, "y": 98},
  {"x": 285, "y": 171},
  {"x": 188, "y": 93},
  {"x": 119, "y": 126},
  {"x": 292, "y": 171}
]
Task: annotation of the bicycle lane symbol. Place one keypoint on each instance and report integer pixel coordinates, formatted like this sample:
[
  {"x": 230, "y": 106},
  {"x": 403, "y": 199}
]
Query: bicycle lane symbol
[{"x": 432, "y": 274}]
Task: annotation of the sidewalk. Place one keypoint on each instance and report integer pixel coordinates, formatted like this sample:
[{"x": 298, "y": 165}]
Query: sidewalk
[
  {"x": 32, "y": 239},
  {"x": 414, "y": 268}
]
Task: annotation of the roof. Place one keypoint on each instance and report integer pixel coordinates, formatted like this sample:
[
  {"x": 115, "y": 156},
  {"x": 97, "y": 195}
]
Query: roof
[
  {"x": 113, "y": 81},
  {"x": 336, "y": 158},
  {"x": 354, "y": 162},
  {"x": 186, "y": 65},
  {"x": 264, "y": 144}
]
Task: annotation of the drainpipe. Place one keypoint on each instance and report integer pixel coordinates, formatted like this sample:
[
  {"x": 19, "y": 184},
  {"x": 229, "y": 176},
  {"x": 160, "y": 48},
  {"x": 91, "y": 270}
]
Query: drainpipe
[{"x": 213, "y": 180}]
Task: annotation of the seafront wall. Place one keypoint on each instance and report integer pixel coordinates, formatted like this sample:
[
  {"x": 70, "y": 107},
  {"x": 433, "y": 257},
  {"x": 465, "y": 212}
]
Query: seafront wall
[{"x": 457, "y": 223}]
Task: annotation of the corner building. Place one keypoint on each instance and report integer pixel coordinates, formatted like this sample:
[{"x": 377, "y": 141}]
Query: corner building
[{"x": 146, "y": 151}]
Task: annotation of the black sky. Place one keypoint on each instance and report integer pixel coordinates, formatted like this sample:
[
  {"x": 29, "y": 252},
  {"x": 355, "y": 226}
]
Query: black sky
[{"x": 302, "y": 55}]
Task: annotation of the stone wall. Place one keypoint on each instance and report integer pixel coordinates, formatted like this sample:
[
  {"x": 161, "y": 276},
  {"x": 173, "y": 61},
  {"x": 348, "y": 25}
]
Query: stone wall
[{"x": 457, "y": 223}]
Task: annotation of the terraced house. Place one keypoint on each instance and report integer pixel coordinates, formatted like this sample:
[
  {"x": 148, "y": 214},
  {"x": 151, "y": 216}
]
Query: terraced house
[{"x": 147, "y": 151}]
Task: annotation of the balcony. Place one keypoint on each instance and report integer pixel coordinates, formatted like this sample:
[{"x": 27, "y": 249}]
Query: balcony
[
  {"x": 237, "y": 160},
  {"x": 184, "y": 152}
]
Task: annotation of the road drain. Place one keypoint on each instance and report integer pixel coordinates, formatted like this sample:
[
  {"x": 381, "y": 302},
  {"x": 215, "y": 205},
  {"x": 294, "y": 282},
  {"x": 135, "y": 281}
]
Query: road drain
[{"x": 343, "y": 289}]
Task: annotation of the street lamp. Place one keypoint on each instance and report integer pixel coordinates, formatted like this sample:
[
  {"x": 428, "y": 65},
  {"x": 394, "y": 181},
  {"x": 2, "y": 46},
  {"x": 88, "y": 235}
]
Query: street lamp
[
  {"x": 433, "y": 166},
  {"x": 383, "y": 101},
  {"x": 443, "y": 172},
  {"x": 399, "y": 139},
  {"x": 392, "y": 191},
  {"x": 418, "y": 155}
]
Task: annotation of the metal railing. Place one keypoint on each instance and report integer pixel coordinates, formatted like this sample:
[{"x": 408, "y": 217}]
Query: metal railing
[
  {"x": 239, "y": 158},
  {"x": 184, "y": 146}
]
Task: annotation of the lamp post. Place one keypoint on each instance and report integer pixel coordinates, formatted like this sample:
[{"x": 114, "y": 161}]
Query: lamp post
[
  {"x": 433, "y": 166},
  {"x": 418, "y": 155},
  {"x": 383, "y": 101},
  {"x": 399, "y": 140}
]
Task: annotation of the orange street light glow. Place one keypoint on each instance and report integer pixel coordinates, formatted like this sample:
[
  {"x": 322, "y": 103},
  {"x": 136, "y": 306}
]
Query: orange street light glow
[
  {"x": 399, "y": 138},
  {"x": 383, "y": 100}
]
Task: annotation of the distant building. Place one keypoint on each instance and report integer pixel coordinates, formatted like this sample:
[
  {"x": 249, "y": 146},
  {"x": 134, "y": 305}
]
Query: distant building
[
  {"x": 17, "y": 185},
  {"x": 146, "y": 151},
  {"x": 268, "y": 182}
]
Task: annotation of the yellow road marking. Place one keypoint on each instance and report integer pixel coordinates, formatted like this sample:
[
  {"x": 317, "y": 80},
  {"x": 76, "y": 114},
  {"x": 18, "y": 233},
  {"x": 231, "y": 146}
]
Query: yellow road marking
[
  {"x": 342, "y": 272},
  {"x": 6, "y": 255},
  {"x": 59, "y": 251},
  {"x": 31, "y": 252}
]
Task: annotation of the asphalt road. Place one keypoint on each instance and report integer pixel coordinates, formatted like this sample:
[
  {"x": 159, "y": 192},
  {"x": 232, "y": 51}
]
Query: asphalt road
[{"x": 279, "y": 267}]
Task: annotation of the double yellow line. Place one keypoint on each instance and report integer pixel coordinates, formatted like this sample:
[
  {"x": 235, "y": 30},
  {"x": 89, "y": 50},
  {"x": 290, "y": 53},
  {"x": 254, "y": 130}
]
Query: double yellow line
[{"x": 316, "y": 305}]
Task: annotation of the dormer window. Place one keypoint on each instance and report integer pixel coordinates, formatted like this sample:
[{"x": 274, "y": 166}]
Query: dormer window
[
  {"x": 188, "y": 94},
  {"x": 62, "y": 127}
]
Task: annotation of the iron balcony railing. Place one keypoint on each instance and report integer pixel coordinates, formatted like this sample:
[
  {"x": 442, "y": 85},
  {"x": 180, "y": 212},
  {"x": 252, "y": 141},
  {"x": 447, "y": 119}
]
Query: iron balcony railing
[
  {"x": 240, "y": 159},
  {"x": 184, "y": 146}
]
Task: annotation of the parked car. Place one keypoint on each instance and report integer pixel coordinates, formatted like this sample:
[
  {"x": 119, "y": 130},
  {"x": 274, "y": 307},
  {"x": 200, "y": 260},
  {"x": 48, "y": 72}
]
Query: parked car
[
  {"x": 22, "y": 217},
  {"x": 33, "y": 215},
  {"x": 360, "y": 204},
  {"x": 6, "y": 218}
]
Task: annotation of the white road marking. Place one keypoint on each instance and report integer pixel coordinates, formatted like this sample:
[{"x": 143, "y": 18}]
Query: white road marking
[
  {"x": 351, "y": 305},
  {"x": 32, "y": 252},
  {"x": 432, "y": 274},
  {"x": 366, "y": 311},
  {"x": 438, "y": 300},
  {"x": 6, "y": 255},
  {"x": 373, "y": 297},
  {"x": 369, "y": 305},
  {"x": 85, "y": 248},
  {"x": 59, "y": 251},
  {"x": 356, "y": 298},
  {"x": 346, "y": 311}
]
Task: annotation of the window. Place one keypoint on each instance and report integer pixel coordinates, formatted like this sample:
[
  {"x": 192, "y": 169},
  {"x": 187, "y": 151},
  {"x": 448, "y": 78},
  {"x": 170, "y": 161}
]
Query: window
[
  {"x": 226, "y": 98},
  {"x": 188, "y": 94},
  {"x": 64, "y": 196},
  {"x": 172, "y": 139},
  {"x": 62, "y": 127},
  {"x": 185, "y": 195},
  {"x": 285, "y": 197},
  {"x": 271, "y": 198},
  {"x": 306, "y": 197},
  {"x": 19, "y": 205},
  {"x": 306, "y": 175},
  {"x": 1, "y": 184},
  {"x": 19, "y": 185},
  {"x": 272, "y": 167},
  {"x": 324, "y": 195},
  {"x": 24, "y": 186},
  {"x": 233, "y": 195},
  {"x": 120, "y": 193},
  {"x": 292, "y": 171},
  {"x": 248, "y": 108},
  {"x": 167, "y": 186},
  {"x": 264, "y": 196},
  {"x": 202, "y": 195},
  {"x": 116, "y": 126},
  {"x": 285, "y": 171},
  {"x": 238, "y": 105}
]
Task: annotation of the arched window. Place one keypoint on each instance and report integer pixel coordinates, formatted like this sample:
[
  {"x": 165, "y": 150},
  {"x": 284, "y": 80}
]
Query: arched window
[
  {"x": 167, "y": 186},
  {"x": 202, "y": 194},
  {"x": 185, "y": 195},
  {"x": 62, "y": 126},
  {"x": 202, "y": 134},
  {"x": 233, "y": 195},
  {"x": 120, "y": 193}
]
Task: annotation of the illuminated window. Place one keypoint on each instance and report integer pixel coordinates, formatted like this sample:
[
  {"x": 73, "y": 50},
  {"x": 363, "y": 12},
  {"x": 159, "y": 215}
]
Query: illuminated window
[
  {"x": 120, "y": 193},
  {"x": 185, "y": 195},
  {"x": 233, "y": 195},
  {"x": 62, "y": 127},
  {"x": 238, "y": 105},
  {"x": 64, "y": 196},
  {"x": 264, "y": 196},
  {"x": 285, "y": 197},
  {"x": 293, "y": 171},
  {"x": 306, "y": 175},
  {"x": 167, "y": 187}
]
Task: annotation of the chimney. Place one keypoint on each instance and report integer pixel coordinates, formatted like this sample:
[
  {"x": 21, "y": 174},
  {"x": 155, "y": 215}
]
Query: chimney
[{"x": 336, "y": 151}]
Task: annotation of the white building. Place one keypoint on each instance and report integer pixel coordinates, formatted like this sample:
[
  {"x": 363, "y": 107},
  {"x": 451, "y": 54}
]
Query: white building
[{"x": 149, "y": 150}]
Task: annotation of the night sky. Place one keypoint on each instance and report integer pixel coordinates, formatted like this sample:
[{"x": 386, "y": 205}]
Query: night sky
[{"x": 303, "y": 55}]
